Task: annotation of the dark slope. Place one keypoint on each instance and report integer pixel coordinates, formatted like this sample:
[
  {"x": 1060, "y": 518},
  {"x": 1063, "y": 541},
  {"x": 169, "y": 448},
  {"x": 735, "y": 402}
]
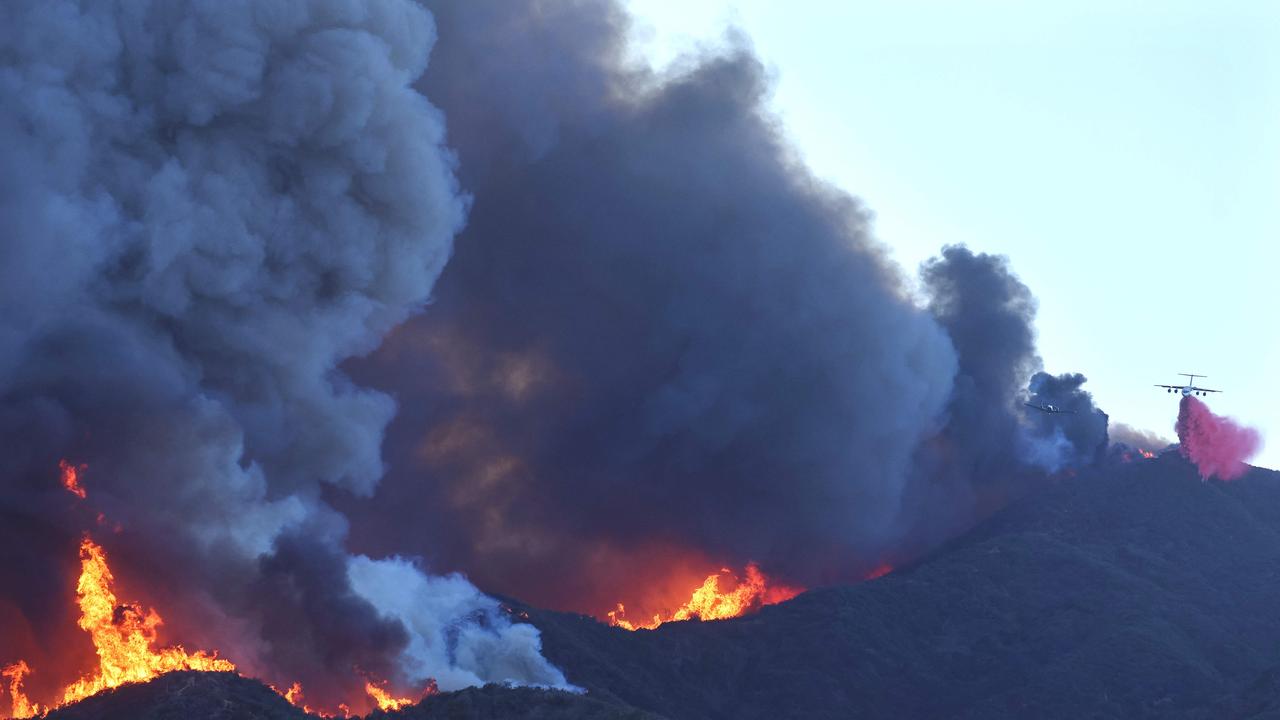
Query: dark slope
[
  {"x": 183, "y": 695},
  {"x": 227, "y": 696},
  {"x": 1138, "y": 591}
]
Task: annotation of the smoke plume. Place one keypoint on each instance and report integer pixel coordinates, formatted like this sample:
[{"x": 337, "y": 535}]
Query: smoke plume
[
  {"x": 1217, "y": 445},
  {"x": 662, "y": 337},
  {"x": 661, "y": 344},
  {"x": 206, "y": 207},
  {"x": 1122, "y": 434}
]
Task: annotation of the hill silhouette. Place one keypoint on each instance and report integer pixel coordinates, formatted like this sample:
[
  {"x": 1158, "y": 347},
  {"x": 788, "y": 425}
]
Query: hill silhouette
[
  {"x": 227, "y": 696},
  {"x": 1135, "y": 590},
  {"x": 1130, "y": 591}
]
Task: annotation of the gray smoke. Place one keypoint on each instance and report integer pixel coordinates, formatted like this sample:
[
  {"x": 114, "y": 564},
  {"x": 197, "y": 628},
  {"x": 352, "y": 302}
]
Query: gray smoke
[
  {"x": 661, "y": 333},
  {"x": 1081, "y": 434},
  {"x": 206, "y": 206}
]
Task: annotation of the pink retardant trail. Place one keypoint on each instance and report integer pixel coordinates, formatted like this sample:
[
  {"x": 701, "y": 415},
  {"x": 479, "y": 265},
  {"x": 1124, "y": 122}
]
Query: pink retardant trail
[{"x": 1217, "y": 445}]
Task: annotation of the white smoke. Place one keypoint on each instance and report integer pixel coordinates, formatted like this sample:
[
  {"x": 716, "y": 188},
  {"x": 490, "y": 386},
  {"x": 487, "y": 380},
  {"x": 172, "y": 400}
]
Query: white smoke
[
  {"x": 206, "y": 206},
  {"x": 459, "y": 636}
]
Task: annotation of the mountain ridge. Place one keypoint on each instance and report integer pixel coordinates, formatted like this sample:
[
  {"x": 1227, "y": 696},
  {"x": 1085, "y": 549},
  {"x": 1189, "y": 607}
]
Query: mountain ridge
[{"x": 1131, "y": 590}]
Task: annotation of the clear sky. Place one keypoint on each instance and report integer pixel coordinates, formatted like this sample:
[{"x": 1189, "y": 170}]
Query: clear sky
[{"x": 1126, "y": 161}]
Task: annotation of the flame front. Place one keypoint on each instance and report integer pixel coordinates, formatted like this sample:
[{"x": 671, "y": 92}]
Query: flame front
[
  {"x": 709, "y": 602},
  {"x": 125, "y": 638},
  {"x": 123, "y": 635},
  {"x": 384, "y": 699}
]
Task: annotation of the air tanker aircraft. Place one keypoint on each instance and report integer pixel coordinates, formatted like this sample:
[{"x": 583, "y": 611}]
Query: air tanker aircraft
[
  {"x": 1190, "y": 388},
  {"x": 1051, "y": 409}
]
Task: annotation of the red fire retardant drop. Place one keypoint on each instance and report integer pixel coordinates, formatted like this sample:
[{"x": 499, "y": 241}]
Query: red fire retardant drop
[{"x": 1217, "y": 445}]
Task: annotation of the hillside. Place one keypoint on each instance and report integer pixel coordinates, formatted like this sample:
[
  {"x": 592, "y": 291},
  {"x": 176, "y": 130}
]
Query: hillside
[
  {"x": 1135, "y": 591},
  {"x": 227, "y": 696}
]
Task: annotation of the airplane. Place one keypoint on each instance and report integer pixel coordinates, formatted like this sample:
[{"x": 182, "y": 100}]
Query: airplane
[
  {"x": 1190, "y": 388},
  {"x": 1051, "y": 409}
]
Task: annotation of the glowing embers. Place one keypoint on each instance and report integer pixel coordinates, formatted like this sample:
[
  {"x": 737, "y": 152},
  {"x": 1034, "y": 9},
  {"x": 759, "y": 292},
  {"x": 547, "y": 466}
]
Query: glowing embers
[
  {"x": 1128, "y": 456},
  {"x": 879, "y": 572},
  {"x": 711, "y": 601},
  {"x": 71, "y": 478}
]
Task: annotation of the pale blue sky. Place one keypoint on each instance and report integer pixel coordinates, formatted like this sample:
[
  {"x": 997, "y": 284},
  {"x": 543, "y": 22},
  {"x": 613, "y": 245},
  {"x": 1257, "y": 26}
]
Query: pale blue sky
[{"x": 1127, "y": 161}]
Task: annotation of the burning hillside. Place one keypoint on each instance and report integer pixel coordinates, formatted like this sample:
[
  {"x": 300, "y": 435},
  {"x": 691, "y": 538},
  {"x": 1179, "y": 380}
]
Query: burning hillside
[
  {"x": 721, "y": 596},
  {"x": 235, "y": 200},
  {"x": 125, "y": 640},
  {"x": 309, "y": 429}
]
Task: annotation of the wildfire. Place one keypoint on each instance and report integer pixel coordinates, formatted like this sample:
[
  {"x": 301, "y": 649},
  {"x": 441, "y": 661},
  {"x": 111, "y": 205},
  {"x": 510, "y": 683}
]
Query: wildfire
[
  {"x": 710, "y": 602},
  {"x": 123, "y": 634},
  {"x": 1128, "y": 457},
  {"x": 21, "y": 706},
  {"x": 384, "y": 699},
  {"x": 71, "y": 478}
]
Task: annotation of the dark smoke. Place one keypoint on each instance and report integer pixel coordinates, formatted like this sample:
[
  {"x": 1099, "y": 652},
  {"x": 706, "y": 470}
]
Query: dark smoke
[
  {"x": 660, "y": 336},
  {"x": 1084, "y": 429},
  {"x": 206, "y": 206},
  {"x": 660, "y": 331}
]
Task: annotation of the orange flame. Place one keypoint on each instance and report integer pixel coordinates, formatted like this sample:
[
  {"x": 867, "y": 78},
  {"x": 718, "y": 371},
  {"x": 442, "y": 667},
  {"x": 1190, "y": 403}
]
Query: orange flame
[
  {"x": 123, "y": 634},
  {"x": 71, "y": 478},
  {"x": 709, "y": 602},
  {"x": 294, "y": 696},
  {"x": 21, "y": 706},
  {"x": 384, "y": 699},
  {"x": 1146, "y": 453}
]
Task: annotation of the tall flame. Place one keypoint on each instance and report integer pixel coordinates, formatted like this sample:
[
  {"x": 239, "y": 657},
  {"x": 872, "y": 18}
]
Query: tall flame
[
  {"x": 21, "y": 706},
  {"x": 123, "y": 635},
  {"x": 709, "y": 602}
]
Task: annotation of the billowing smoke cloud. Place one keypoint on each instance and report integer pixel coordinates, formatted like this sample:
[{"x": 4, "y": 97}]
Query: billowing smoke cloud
[
  {"x": 1082, "y": 430},
  {"x": 661, "y": 334},
  {"x": 206, "y": 206},
  {"x": 1217, "y": 445}
]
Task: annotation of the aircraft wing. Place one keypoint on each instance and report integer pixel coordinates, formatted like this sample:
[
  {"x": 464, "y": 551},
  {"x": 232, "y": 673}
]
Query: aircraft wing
[
  {"x": 1203, "y": 389},
  {"x": 1172, "y": 387}
]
